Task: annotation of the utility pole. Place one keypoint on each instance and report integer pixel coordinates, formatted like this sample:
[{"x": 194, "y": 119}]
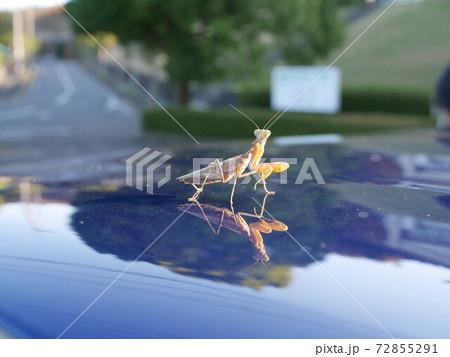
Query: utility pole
[{"x": 18, "y": 42}]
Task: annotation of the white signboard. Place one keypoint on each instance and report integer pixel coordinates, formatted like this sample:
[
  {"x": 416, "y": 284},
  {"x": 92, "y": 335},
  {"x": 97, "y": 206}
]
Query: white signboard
[{"x": 290, "y": 82}]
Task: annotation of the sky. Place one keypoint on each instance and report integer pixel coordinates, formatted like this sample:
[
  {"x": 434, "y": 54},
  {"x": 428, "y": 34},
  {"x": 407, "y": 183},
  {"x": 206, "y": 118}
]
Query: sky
[{"x": 11, "y": 5}]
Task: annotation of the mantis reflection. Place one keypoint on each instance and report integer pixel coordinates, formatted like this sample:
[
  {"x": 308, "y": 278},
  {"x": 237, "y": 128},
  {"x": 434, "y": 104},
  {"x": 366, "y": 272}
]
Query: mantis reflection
[{"x": 223, "y": 217}]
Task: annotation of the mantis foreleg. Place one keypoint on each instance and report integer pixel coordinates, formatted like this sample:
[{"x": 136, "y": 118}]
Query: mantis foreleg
[{"x": 266, "y": 169}]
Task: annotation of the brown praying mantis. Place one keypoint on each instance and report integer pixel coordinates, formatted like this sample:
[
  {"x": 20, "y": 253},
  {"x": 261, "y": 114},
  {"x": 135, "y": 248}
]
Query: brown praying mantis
[
  {"x": 224, "y": 171},
  {"x": 223, "y": 217}
]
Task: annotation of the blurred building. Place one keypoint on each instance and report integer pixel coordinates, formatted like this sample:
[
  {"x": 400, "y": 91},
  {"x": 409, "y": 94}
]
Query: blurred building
[{"x": 54, "y": 32}]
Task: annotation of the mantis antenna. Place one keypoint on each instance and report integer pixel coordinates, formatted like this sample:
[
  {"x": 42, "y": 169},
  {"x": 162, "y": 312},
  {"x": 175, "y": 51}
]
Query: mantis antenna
[
  {"x": 245, "y": 115},
  {"x": 271, "y": 119}
]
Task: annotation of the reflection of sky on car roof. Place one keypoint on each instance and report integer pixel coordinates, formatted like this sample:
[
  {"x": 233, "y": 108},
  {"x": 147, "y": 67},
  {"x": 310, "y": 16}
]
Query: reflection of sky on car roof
[
  {"x": 400, "y": 295},
  {"x": 38, "y": 228}
]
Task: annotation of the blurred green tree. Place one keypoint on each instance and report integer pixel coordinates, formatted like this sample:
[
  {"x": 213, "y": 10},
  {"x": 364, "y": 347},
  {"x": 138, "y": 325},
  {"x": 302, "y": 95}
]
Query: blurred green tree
[
  {"x": 5, "y": 22},
  {"x": 208, "y": 40}
]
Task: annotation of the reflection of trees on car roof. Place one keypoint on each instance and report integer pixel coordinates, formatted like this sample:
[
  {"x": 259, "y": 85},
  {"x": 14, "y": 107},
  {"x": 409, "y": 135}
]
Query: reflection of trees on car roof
[{"x": 123, "y": 225}]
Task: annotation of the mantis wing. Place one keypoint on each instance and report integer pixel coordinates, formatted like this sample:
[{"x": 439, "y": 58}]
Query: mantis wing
[{"x": 218, "y": 171}]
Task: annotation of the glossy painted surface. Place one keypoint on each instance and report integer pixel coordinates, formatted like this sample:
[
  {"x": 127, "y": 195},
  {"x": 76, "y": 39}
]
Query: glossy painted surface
[{"x": 379, "y": 230}]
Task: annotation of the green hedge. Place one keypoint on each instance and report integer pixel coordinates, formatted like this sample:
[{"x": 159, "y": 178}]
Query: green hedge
[
  {"x": 227, "y": 123},
  {"x": 385, "y": 101},
  {"x": 368, "y": 100}
]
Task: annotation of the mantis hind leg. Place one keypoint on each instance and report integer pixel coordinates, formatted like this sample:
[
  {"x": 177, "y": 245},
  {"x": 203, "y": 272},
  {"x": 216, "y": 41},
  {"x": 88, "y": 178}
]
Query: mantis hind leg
[
  {"x": 200, "y": 189},
  {"x": 196, "y": 194},
  {"x": 232, "y": 194}
]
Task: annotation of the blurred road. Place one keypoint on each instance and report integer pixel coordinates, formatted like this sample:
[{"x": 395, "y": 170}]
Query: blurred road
[{"x": 65, "y": 112}]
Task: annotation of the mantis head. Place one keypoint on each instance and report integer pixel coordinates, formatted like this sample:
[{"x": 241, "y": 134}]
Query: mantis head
[{"x": 262, "y": 134}]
